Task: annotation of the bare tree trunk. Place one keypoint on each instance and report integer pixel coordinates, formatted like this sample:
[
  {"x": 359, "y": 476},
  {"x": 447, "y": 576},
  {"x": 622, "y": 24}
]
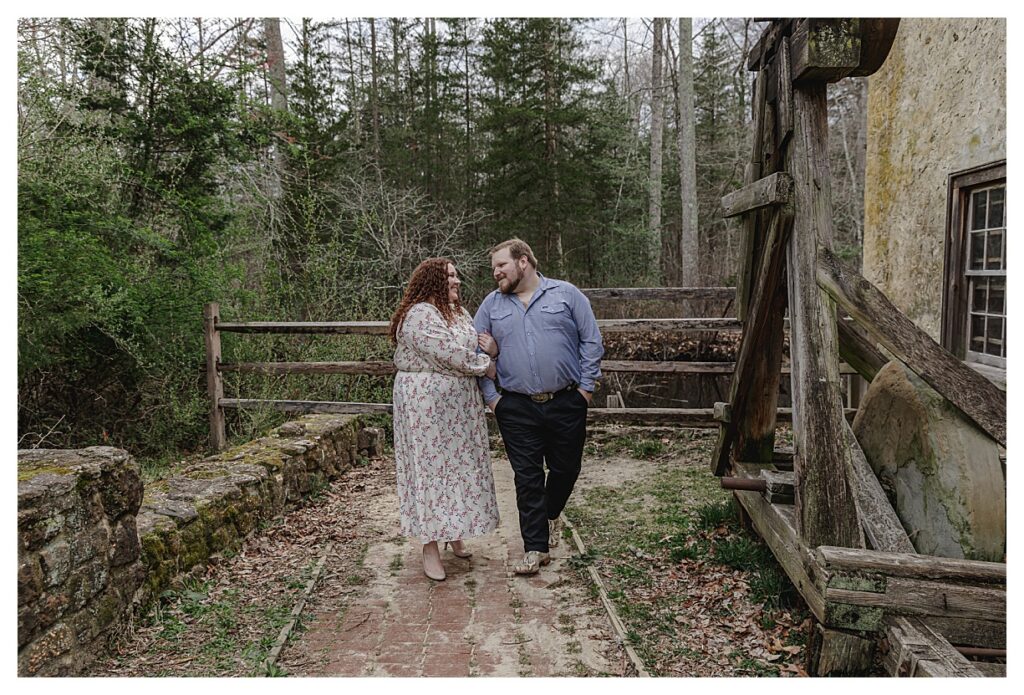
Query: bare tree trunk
[
  {"x": 374, "y": 101},
  {"x": 689, "y": 248},
  {"x": 657, "y": 128},
  {"x": 353, "y": 94},
  {"x": 275, "y": 64}
]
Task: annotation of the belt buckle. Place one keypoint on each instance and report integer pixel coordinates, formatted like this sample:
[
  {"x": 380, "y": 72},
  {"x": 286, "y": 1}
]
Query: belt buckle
[{"x": 540, "y": 397}]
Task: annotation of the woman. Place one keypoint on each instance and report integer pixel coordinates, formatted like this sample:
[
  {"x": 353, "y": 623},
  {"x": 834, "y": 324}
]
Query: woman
[{"x": 442, "y": 459}]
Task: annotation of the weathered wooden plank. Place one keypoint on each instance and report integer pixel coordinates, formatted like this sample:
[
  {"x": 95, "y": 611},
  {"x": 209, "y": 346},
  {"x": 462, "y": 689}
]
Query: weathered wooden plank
[
  {"x": 214, "y": 381},
  {"x": 876, "y": 39},
  {"x": 825, "y": 49},
  {"x": 912, "y": 566},
  {"x": 751, "y": 173},
  {"x": 838, "y": 653},
  {"x": 905, "y": 596},
  {"x": 973, "y": 394},
  {"x": 381, "y": 327},
  {"x": 970, "y": 631},
  {"x": 372, "y": 367},
  {"x": 780, "y": 535},
  {"x": 308, "y": 327},
  {"x": 779, "y": 486},
  {"x": 990, "y": 669},
  {"x": 767, "y": 44},
  {"x": 825, "y": 499},
  {"x": 784, "y": 100},
  {"x": 289, "y": 406},
  {"x": 881, "y": 525},
  {"x": 858, "y": 350},
  {"x": 774, "y": 189},
  {"x": 667, "y": 325},
  {"x": 665, "y": 294},
  {"x": 680, "y": 367},
  {"x": 754, "y": 389},
  {"x": 915, "y": 649}
]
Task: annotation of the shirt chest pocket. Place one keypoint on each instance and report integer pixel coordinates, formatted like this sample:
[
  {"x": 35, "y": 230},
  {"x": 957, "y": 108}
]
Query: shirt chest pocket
[
  {"x": 501, "y": 323},
  {"x": 555, "y": 315}
]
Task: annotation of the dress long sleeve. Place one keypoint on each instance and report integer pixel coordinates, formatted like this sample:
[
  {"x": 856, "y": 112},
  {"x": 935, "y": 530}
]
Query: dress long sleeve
[{"x": 427, "y": 342}]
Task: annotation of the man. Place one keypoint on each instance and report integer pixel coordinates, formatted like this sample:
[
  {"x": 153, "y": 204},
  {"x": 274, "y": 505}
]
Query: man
[{"x": 550, "y": 359}]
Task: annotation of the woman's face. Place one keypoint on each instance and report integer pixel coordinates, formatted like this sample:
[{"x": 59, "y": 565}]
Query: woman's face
[{"x": 453, "y": 283}]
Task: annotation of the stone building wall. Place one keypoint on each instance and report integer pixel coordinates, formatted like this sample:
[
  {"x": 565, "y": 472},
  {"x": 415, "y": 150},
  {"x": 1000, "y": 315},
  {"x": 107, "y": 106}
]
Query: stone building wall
[
  {"x": 937, "y": 106},
  {"x": 94, "y": 546}
]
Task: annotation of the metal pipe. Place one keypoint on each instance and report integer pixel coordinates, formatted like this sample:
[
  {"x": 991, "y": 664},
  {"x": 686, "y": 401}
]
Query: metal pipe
[
  {"x": 752, "y": 484},
  {"x": 981, "y": 651}
]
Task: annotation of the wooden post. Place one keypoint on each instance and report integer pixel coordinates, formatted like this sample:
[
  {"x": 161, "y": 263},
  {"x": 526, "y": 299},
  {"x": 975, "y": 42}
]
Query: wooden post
[
  {"x": 214, "y": 381},
  {"x": 825, "y": 502}
]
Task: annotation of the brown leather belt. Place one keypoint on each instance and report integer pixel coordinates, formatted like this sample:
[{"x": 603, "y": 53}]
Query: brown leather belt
[{"x": 543, "y": 397}]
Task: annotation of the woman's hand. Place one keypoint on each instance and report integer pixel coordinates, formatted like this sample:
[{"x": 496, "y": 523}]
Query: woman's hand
[
  {"x": 491, "y": 370},
  {"x": 487, "y": 344}
]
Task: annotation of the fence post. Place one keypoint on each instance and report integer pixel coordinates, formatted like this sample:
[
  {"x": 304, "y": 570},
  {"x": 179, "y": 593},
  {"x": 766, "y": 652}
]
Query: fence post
[{"x": 214, "y": 381}]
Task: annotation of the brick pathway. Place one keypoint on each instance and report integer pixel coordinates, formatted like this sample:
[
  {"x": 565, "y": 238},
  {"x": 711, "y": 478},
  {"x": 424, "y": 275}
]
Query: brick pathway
[{"x": 481, "y": 621}]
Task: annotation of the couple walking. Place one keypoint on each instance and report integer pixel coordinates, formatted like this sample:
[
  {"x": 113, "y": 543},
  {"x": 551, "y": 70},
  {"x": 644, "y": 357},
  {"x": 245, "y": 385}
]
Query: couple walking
[{"x": 538, "y": 339}]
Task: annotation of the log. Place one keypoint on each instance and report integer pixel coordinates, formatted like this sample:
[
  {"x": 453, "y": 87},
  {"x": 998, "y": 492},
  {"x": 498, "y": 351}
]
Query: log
[
  {"x": 664, "y": 294},
  {"x": 859, "y": 351},
  {"x": 372, "y": 367},
  {"x": 923, "y": 597},
  {"x": 773, "y": 190},
  {"x": 825, "y": 50},
  {"x": 667, "y": 325},
  {"x": 915, "y": 649},
  {"x": 838, "y": 653},
  {"x": 642, "y": 367},
  {"x": 977, "y": 397},
  {"x": 876, "y": 39},
  {"x": 751, "y": 173},
  {"x": 214, "y": 381},
  {"x": 308, "y": 327},
  {"x": 825, "y": 499},
  {"x": 754, "y": 389},
  {"x": 288, "y": 406},
  {"x": 882, "y": 527},
  {"x": 835, "y": 560}
]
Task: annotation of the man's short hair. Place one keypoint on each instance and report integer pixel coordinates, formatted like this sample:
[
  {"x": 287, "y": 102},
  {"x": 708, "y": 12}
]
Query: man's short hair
[{"x": 517, "y": 248}]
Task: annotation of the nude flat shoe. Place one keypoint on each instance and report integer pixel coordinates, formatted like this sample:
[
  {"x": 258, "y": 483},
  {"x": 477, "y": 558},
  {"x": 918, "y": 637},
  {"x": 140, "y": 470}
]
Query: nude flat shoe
[{"x": 465, "y": 554}]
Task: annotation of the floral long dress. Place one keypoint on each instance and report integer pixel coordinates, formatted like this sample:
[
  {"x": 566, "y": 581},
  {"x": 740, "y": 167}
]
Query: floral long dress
[{"x": 442, "y": 459}]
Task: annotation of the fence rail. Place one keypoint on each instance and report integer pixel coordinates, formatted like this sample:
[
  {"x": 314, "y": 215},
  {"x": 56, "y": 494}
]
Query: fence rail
[{"x": 684, "y": 417}]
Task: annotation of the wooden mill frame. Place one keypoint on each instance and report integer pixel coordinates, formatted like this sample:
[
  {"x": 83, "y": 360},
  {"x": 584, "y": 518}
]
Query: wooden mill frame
[{"x": 819, "y": 506}]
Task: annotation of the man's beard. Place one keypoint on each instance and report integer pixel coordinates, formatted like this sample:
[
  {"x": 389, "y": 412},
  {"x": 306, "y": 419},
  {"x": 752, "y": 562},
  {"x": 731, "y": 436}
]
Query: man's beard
[{"x": 512, "y": 285}]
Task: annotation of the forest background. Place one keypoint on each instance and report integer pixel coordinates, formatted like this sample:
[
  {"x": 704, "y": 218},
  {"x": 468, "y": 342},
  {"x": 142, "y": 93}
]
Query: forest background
[{"x": 300, "y": 169}]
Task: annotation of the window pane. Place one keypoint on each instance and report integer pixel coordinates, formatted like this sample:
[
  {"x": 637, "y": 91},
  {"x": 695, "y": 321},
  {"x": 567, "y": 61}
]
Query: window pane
[
  {"x": 994, "y": 251},
  {"x": 977, "y": 333},
  {"x": 995, "y": 206},
  {"x": 994, "y": 341},
  {"x": 977, "y": 251},
  {"x": 978, "y": 216},
  {"x": 997, "y": 296},
  {"x": 979, "y": 299}
]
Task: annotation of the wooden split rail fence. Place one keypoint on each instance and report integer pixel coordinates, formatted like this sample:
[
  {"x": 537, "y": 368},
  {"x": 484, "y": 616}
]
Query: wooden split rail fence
[
  {"x": 819, "y": 505},
  {"x": 681, "y": 417}
]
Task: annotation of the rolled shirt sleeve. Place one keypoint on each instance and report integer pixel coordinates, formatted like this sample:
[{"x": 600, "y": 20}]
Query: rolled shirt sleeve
[
  {"x": 591, "y": 346},
  {"x": 482, "y": 324}
]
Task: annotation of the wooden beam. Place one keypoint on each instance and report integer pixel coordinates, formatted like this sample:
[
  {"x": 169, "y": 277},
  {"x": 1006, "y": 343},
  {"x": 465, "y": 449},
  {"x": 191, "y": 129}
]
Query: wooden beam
[
  {"x": 977, "y": 397},
  {"x": 754, "y": 390},
  {"x": 767, "y": 44},
  {"x": 214, "y": 381},
  {"x": 308, "y": 327},
  {"x": 876, "y": 39},
  {"x": 664, "y": 294},
  {"x": 751, "y": 173},
  {"x": 372, "y": 367},
  {"x": 774, "y": 189},
  {"x": 922, "y": 597},
  {"x": 667, "y": 325},
  {"x": 670, "y": 367},
  {"x": 825, "y": 500},
  {"x": 859, "y": 351},
  {"x": 882, "y": 527},
  {"x": 915, "y": 649},
  {"x": 854, "y": 561},
  {"x": 777, "y": 530},
  {"x": 825, "y": 50},
  {"x": 308, "y": 406},
  {"x": 970, "y": 631}
]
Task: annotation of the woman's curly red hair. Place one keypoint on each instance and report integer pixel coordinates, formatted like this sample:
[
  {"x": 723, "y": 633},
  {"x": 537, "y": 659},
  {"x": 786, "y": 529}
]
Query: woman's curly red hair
[{"x": 428, "y": 283}]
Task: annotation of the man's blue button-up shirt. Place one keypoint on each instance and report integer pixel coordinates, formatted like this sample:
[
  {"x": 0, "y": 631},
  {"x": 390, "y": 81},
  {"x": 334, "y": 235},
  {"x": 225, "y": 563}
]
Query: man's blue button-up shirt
[{"x": 543, "y": 347}]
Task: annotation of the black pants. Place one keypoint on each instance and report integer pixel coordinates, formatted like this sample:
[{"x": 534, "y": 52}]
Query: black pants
[{"x": 535, "y": 434}]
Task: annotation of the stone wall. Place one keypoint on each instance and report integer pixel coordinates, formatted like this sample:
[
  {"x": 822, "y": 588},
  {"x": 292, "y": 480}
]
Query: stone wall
[
  {"x": 937, "y": 106},
  {"x": 79, "y": 560},
  {"x": 93, "y": 546}
]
